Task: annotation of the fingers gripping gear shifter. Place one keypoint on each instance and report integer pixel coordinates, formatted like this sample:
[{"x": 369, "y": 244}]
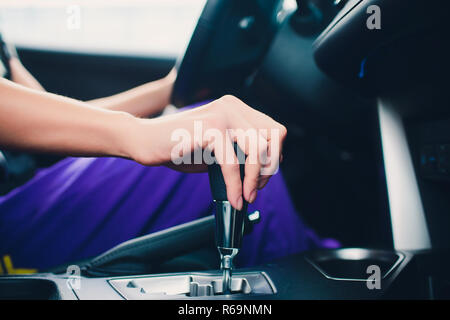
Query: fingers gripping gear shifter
[{"x": 229, "y": 221}]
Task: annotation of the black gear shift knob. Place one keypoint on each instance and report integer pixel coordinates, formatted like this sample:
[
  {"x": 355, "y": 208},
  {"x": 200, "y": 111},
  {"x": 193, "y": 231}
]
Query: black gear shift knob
[{"x": 229, "y": 221}]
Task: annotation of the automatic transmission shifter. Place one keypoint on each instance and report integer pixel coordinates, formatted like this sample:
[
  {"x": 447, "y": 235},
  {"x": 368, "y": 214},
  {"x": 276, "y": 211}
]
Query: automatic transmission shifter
[{"x": 229, "y": 221}]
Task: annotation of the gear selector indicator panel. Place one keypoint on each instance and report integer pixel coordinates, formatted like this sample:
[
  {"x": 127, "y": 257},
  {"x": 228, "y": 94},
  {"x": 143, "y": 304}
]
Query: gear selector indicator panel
[{"x": 193, "y": 285}]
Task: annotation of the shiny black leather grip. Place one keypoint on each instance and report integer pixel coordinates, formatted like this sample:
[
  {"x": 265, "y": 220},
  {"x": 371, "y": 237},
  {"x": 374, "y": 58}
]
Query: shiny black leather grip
[{"x": 216, "y": 181}]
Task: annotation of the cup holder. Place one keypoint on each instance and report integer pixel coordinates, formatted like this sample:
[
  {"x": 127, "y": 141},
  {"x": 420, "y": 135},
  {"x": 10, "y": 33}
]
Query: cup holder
[{"x": 350, "y": 264}]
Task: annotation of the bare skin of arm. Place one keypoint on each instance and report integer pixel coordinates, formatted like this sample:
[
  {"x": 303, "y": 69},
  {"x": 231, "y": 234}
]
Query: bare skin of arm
[
  {"x": 142, "y": 101},
  {"x": 36, "y": 120},
  {"x": 20, "y": 75}
]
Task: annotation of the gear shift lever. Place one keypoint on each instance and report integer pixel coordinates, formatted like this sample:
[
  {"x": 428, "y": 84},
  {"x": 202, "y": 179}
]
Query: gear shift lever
[{"x": 229, "y": 221}]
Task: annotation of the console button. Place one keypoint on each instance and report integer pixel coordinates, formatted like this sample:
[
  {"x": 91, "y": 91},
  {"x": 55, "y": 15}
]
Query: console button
[
  {"x": 444, "y": 159},
  {"x": 428, "y": 160}
]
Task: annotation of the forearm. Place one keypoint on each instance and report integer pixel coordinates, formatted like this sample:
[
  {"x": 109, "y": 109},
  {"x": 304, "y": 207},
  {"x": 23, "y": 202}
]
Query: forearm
[
  {"x": 20, "y": 75},
  {"x": 142, "y": 101},
  {"x": 46, "y": 122}
]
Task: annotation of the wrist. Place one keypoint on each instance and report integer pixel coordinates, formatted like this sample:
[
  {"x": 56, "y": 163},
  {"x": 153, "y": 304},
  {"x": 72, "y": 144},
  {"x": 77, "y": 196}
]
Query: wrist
[
  {"x": 171, "y": 76},
  {"x": 123, "y": 129},
  {"x": 140, "y": 140}
]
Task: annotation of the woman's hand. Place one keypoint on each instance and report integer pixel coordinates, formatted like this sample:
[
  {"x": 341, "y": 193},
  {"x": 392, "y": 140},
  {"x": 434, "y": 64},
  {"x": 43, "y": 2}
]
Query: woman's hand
[
  {"x": 36, "y": 120},
  {"x": 171, "y": 76},
  {"x": 185, "y": 140}
]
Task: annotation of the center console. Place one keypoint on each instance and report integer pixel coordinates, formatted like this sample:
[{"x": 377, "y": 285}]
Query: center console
[
  {"x": 404, "y": 64},
  {"x": 327, "y": 274}
]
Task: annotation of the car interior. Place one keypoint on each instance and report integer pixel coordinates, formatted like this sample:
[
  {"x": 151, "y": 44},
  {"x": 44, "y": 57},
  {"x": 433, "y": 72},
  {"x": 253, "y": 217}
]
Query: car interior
[{"x": 366, "y": 160}]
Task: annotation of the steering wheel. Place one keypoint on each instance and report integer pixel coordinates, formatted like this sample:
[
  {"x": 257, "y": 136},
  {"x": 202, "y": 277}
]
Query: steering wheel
[{"x": 227, "y": 45}]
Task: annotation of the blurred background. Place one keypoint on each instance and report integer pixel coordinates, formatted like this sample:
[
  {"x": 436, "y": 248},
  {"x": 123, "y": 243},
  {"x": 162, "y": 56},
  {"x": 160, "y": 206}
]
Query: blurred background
[{"x": 136, "y": 27}]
